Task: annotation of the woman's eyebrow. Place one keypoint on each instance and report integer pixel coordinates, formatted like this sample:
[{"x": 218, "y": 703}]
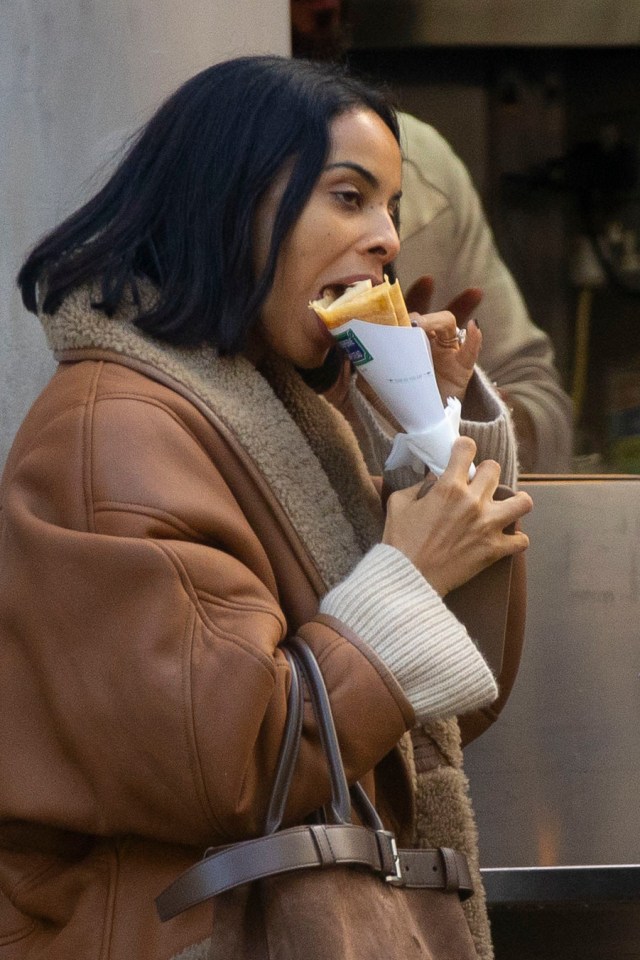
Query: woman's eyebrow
[{"x": 368, "y": 176}]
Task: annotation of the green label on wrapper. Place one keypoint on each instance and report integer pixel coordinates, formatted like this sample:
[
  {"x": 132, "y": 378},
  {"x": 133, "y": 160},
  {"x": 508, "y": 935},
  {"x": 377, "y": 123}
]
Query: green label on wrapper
[{"x": 355, "y": 350}]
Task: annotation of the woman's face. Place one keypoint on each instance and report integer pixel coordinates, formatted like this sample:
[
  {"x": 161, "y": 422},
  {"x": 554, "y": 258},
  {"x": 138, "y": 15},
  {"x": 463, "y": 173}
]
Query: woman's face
[{"x": 345, "y": 233}]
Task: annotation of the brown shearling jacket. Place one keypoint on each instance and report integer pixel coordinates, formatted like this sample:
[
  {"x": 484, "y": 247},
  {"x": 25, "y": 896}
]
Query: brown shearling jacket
[
  {"x": 141, "y": 608},
  {"x": 167, "y": 518}
]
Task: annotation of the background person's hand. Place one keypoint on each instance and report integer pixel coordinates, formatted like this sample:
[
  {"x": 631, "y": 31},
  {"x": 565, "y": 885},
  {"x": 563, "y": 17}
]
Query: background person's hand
[
  {"x": 420, "y": 295},
  {"x": 456, "y": 529}
]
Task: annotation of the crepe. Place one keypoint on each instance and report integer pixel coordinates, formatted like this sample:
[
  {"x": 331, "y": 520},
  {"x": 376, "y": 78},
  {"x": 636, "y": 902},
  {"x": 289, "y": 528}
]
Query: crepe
[{"x": 382, "y": 304}]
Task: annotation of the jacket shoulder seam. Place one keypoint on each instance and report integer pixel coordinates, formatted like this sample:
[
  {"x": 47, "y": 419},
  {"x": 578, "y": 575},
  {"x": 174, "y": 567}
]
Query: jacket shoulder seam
[
  {"x": 143, "y": 509},
  {"x": 131, "y": 396}
]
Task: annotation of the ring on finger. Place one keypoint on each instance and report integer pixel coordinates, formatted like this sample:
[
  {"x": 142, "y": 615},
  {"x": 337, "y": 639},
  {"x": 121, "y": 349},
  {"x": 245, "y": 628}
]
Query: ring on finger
[{"x": 455, "y": 341}]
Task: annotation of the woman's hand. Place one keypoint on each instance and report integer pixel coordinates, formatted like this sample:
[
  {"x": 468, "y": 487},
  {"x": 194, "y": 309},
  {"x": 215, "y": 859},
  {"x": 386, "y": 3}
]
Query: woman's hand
[
  {"x": 456, "y": 529},
  {"x": 453, "y": 361}
]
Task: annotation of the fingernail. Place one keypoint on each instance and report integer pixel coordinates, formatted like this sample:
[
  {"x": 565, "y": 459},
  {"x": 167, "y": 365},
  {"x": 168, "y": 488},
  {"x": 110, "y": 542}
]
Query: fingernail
[{"x": 414, "y": 323}]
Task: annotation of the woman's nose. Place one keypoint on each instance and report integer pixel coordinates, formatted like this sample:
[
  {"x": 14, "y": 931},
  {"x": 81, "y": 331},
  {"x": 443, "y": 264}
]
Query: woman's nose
[{"x": 385, "y": 241}]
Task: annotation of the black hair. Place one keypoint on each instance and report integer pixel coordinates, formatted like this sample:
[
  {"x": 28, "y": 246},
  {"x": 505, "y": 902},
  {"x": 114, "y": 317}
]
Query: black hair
[{"x": 180, "y": 207}]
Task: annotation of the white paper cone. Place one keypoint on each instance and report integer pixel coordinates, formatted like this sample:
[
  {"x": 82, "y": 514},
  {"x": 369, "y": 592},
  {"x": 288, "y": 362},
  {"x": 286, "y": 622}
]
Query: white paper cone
[{"x": 397, "y": 363}]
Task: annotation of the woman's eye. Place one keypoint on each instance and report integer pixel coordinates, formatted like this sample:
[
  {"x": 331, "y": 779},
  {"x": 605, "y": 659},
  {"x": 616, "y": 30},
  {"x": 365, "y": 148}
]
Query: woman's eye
[{"x": 350, "y": 198}]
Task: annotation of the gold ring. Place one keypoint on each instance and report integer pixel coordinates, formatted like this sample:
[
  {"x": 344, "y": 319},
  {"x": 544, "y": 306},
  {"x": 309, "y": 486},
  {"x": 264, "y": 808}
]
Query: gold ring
[{"x": 456, "y": 341}]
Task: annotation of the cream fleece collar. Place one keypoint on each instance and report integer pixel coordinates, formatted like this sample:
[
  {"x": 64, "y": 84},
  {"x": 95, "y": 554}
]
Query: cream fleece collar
[{"x": 303, "y": 448}]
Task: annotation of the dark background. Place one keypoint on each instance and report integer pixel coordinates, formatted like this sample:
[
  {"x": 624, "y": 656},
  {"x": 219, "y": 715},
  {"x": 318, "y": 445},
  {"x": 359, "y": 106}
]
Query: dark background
[{"x": 551, "y": 137}]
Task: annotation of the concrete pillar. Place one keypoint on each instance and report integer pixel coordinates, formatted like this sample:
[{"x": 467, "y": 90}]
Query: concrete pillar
[{"x": 76, "y": 76}]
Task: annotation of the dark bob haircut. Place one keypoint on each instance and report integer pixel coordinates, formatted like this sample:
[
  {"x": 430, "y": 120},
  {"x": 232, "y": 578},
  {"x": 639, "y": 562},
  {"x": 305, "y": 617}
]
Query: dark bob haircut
[{"x": 179, "y": 209}]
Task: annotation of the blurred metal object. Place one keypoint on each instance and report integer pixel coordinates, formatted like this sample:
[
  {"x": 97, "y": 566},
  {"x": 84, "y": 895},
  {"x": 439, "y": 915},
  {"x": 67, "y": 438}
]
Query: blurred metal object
[
  {"x": 556, "y": 780},
  {"x": 384, "y": 24},
  {"x": 563, "y": 884}
]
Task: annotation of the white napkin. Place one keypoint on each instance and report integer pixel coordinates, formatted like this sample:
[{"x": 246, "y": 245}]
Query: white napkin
[{"x": 431, "y": 447}]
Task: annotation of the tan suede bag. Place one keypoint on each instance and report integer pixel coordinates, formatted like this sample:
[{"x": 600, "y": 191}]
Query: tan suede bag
[{"x": 332, "y": 888}]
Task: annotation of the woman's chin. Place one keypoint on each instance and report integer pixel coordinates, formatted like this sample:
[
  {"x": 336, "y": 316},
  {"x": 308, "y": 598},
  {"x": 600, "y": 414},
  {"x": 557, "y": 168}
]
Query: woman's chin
[
  {"x": 314, "y": 359},
  {"x": 317, "y": 347}
]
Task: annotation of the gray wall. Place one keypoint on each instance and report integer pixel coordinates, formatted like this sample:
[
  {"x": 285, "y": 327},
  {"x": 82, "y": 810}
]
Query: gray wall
[{"x": 75, "y": 77}]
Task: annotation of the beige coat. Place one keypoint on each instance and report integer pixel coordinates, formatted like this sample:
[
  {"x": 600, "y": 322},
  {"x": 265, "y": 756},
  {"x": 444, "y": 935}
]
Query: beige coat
[{"x": 445, "y": 233}]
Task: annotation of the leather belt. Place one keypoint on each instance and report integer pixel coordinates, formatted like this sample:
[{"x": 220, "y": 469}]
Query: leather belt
[{"x": 317, "y": 845}]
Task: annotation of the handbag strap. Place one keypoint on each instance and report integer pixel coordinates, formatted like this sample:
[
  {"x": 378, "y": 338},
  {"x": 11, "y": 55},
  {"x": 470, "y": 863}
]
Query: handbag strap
[
  {"x": 340, "y": 796},
  {"x": 289, "y": 748},
  {"x": 313, "y": 846}
]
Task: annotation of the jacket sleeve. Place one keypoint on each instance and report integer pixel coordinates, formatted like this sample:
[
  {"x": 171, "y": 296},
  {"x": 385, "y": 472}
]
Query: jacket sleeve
[
  {"x": 148, "y": 691},
  {"x": 446, "y": 235}
]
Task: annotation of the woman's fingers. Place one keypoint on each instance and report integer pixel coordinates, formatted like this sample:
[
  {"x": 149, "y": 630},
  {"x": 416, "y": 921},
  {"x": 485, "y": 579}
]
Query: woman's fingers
[
  {"x": 511, "y": 510},
  {"x": 444, "y": 331},
  {"x": 454, "y": 352},
  {"x": 451, "y": 528},
  {"x": 512, "y": 543},
  {"x": 462, "y": 453},
  {"x": 470, "y": 348},
  {"x": 440, "y": 327}
]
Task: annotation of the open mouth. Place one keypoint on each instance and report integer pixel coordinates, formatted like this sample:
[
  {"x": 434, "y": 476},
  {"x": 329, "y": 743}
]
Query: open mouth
[{"x": 332, "y": 291}]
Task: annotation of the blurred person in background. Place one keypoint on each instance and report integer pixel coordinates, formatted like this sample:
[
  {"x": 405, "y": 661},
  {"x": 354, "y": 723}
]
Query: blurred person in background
[{"x": 449, "y": 256}]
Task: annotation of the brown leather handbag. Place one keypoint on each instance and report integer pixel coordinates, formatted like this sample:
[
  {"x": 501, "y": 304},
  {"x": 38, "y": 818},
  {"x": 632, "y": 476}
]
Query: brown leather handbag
[
  {"x": 493, "y": 606},
  {"x": 330, "y": 889}
]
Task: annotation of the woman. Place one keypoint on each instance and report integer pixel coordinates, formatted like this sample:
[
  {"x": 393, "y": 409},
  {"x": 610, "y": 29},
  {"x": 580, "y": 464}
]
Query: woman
[{"x": 178, "y": 501}]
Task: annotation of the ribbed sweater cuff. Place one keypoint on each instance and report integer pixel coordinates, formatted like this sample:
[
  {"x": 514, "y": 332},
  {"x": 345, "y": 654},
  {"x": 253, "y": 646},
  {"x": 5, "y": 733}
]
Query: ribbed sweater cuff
[
  {"x": 389, "y": 604},
  {"x": 494, "y": 435}
]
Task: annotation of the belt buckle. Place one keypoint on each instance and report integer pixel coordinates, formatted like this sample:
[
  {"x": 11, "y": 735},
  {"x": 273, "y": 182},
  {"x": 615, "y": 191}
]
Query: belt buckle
[{"x": 389, "y": 857}]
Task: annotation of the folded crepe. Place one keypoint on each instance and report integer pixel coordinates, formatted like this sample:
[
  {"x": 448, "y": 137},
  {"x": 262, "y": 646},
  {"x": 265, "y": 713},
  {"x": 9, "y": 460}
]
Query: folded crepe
[{"x": 362, "y": 300}]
